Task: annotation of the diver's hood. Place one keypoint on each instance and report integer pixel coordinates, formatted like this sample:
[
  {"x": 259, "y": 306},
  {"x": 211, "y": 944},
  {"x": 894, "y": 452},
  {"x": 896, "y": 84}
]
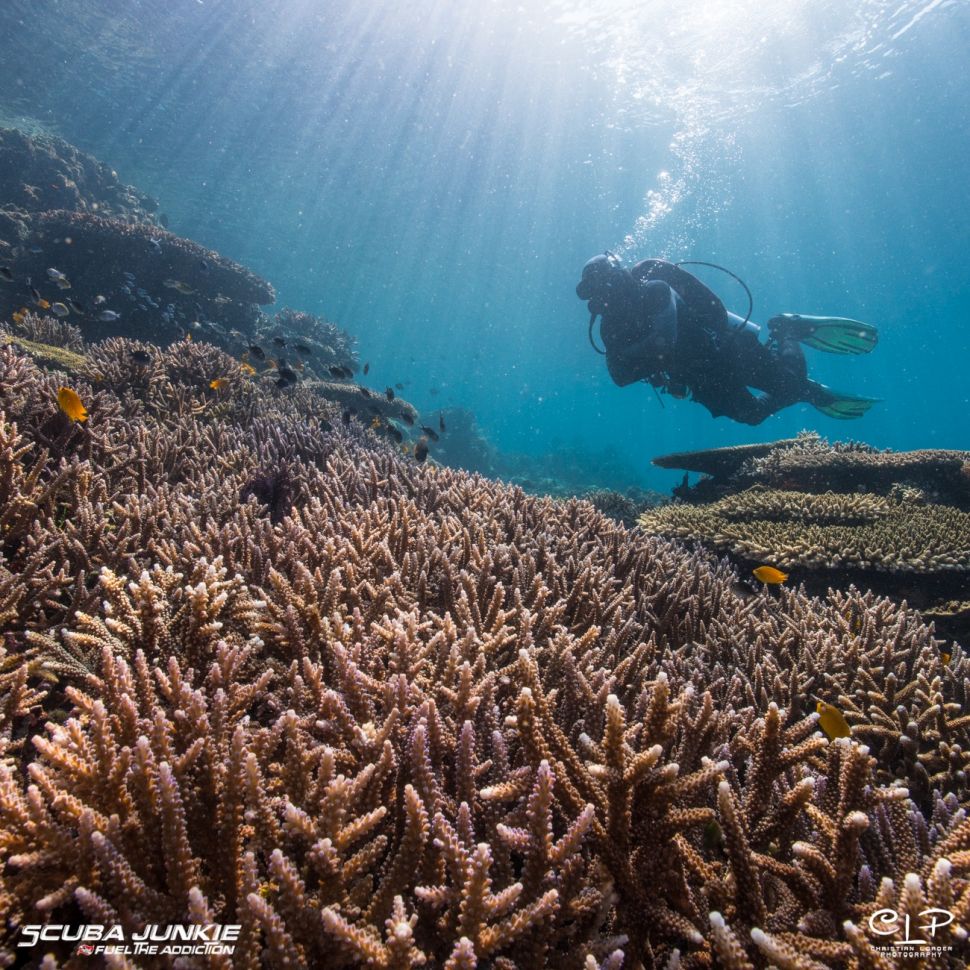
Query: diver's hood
[
  {"x": 596, "y": 274},
  {"x": 603, "y": 279}
]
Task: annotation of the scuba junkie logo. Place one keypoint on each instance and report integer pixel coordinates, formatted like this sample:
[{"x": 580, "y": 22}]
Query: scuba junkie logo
[{"x": 173, "y": 939}]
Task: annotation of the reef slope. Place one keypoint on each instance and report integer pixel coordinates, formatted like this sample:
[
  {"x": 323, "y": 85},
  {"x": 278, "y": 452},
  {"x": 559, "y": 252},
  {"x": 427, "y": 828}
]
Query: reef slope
[{"x": 260, "y": 669}]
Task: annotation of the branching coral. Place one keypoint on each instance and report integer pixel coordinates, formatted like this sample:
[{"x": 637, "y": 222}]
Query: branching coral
[
  {"x": 401, "y": 716},
  {"x": 46, "y": 330}
]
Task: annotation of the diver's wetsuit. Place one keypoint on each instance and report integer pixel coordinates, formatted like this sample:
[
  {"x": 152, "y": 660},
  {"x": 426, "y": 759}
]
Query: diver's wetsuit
[{"x": 664, "y": 326}]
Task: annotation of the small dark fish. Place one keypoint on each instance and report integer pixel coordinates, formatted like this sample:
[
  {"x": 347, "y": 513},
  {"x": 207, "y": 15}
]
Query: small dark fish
[
  {"x": 163, "y": 221},
  {"x": 395, "y": 433},
  {"x": 366, "y": 368},
  {"x": 433, "y": 391},
  {"x": 287, "y": 374},
  {"x": 76, "y": 305},
  {"x": 421, "y": 449},
  {"x": 365, "y": 392},
  {"x": 441, "y": 423},
  {"x": 389, "y": 394},
  {"x": 35, "y": 293},
  {"x": 742, "y": 590},
  {"x": 141, "y": 356},
  {"x": 430, "y": 432},
  {"x": 257, "y": 351},
  {"x": 407, "y": 418},
  {"x": 204, "y": 265},
  {"x": 346, "y": 416},
  {"x": 337, "y": 371},
  {"x": 303, "y": 349},
  {"x": 399, "y": 386},
  {"x": 279, "y": 341},
  {"x": 6, "y": 274}
]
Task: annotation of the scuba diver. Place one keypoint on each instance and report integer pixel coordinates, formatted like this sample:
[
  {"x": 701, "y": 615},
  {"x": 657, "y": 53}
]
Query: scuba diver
[{"x": 662, "y": 325}]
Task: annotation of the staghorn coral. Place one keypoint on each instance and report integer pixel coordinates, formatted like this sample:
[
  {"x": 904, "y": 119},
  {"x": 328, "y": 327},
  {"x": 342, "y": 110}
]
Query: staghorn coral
[
  {"x": 46, "y": 330},
  {"x": 408, "y": 717}
]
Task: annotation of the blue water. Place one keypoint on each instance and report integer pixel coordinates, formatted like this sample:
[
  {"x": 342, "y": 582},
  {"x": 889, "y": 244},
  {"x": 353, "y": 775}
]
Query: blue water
[{"x": 433, "y": 175}]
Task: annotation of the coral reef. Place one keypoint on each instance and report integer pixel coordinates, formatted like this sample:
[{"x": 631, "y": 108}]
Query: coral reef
[
  {"x": 561, "y": 472},
  {"x": 62, "y": 210},
  {"x": 40, "y": 172},
  {"x": 625, "y": 507},
  {"x": 831, "y": 531},
  {"x": 329, "y": 346},
  {"x": 896, "y": 522},
  {"x": 44, "y": 330},
  {"x": 810, "y": 463},
  {"x": 47, "y": 355},
  {"x": 214, "y": 292},
  {"x": 258, "y": 668}
]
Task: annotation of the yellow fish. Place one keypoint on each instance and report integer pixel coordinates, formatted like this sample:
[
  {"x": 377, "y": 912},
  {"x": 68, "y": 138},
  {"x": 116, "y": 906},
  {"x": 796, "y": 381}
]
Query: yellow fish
[
  {"x": 945, "y": 657},
  {"x": 71, "y": 404},
  {"x": 247, "y": 369},
  {"x": 769, "y": 575},
  {"x": 376, "y": 423},
  {"x": 219, "y": 384},
  {"x": 20, "y": 316},
  {"x": 43, "y": 304},
  {"x": 831, "y": 721}
]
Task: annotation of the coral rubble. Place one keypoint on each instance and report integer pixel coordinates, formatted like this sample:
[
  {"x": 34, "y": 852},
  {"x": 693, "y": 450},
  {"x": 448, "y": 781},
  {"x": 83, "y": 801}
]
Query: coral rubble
[{"x": 258, "y": 668}]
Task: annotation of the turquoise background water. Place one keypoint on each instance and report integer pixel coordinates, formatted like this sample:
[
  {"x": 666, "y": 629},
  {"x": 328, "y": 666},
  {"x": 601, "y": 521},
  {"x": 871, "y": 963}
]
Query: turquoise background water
[{"x": 433, "y": 175}]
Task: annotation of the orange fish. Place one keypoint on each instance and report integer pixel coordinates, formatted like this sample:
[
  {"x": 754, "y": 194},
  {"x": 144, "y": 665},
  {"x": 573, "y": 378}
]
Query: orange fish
[
  {"x": 832, "y": 721},
  {"x": 20, "y": 316},
  {"x": 247, "y": 369},
  {"x": 945, "y": 657},
  {"x": 71, "y": 404},
  {"x": 769, "y": 575},
  {"x": 43, "y": 304},
  {"x": 219, "y": 384}
]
